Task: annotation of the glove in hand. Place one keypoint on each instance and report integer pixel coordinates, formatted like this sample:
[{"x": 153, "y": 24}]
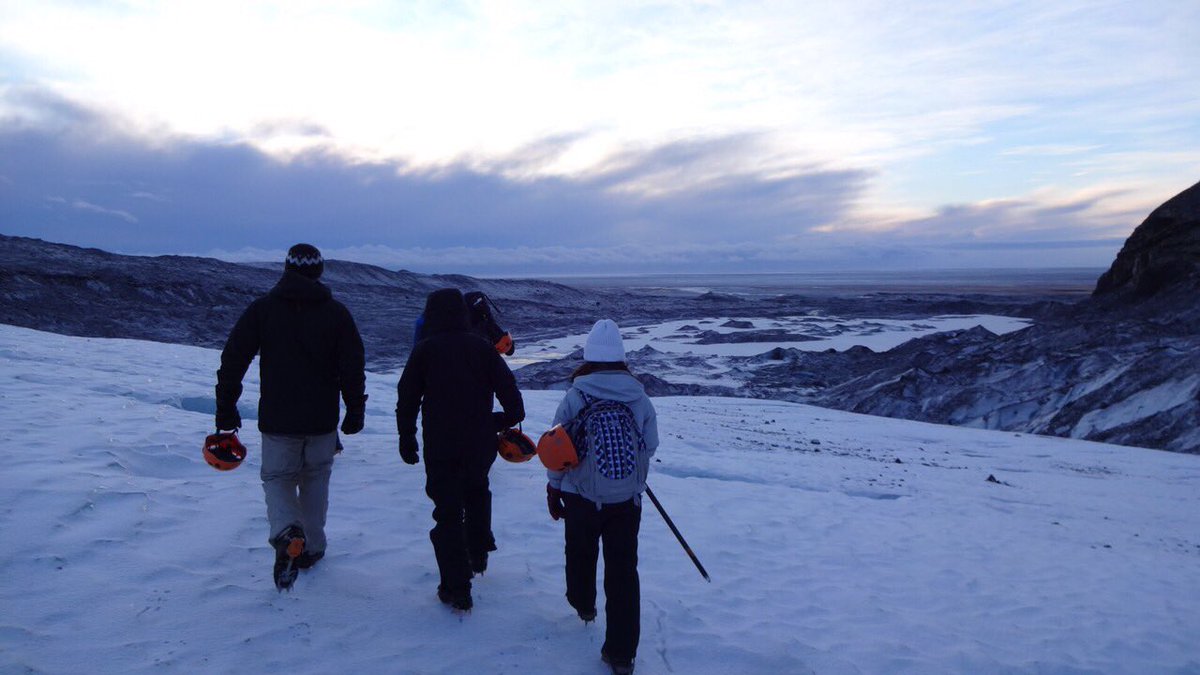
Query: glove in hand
[
  {"x": 554, "y": 502},
  {"x": 408, "y": 449},
  {"x": 353, "y": 422}
]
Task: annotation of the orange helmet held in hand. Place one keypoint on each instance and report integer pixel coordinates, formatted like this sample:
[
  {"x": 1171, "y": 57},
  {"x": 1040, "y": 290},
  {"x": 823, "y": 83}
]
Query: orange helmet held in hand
[
  {"x": 223, "y": 451},
  {"x": 515, "y": 446}
]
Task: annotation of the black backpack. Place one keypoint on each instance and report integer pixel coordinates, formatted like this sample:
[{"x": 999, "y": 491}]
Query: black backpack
[{"x": 483, "y": 321}]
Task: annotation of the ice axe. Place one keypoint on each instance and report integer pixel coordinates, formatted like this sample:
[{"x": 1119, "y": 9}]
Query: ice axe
[{"x": 687, "y": 549}]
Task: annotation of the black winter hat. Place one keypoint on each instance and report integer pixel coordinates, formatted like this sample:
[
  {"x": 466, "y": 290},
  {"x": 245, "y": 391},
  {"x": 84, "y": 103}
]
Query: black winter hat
[{"x": 305, "y": 259}]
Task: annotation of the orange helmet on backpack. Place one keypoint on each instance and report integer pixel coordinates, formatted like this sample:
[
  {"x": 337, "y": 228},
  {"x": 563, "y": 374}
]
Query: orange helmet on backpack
[
  {"x": 556, "y": 449},
  {"x": 223, "y": 451},
  {"x": 514, "y": 446},
  {"x": 504, "y": 344}
]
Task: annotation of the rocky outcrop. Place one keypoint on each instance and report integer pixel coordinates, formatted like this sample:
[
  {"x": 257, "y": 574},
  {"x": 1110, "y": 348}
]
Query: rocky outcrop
[
  {"x": 1122, "y": 367},
  {"x": 1130, "y": 384},
  {"x": 1163, "y": 252}
]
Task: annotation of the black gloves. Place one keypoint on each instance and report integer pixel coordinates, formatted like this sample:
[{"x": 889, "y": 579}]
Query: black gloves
[
  {"x": 408, "y": 449},
  {"x": 554, "y": 502},
  {"x": 353, "y": 423},
  {"x": 228, "y": 418}
]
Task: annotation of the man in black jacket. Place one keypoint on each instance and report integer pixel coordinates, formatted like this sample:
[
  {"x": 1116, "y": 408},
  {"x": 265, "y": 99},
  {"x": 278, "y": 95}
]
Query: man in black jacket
[
  {"x": 309, "y": 352},
  {"x": 451, "y": 377}
]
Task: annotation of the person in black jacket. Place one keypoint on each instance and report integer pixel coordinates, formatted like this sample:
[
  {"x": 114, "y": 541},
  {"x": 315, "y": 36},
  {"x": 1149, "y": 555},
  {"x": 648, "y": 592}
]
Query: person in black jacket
[
  {"x": 309, "y": 352},
  {"x": 451, "y": 377}
]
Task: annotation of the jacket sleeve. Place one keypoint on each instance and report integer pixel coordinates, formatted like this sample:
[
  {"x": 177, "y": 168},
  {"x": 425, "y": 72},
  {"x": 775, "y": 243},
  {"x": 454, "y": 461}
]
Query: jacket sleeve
[
  {"x": 240, "y": 350},
  {"x": 567, "y": 409},
  {"x": 409, "y": 392},
  {"x": 351, "y": 362},
  {"x": 507, "y": 393},
  {"x": 650, "y": 427}
]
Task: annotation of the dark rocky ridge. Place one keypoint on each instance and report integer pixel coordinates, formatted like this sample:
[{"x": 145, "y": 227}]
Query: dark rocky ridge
[
  {"x": 1121, "y": 367},
  {"x": 189, "y": 300},
  {"x": 1162, "y": 253}
]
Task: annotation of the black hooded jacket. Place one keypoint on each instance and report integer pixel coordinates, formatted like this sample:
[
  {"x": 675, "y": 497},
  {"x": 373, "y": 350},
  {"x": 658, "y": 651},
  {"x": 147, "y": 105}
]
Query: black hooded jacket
[
  {"x": 309, "y": 350},
  {"x": 451, "y": 376}
]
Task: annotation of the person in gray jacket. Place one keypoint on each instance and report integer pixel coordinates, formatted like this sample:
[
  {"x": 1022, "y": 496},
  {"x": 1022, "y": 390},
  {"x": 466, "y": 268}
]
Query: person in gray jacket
[{"x": 600, "y": 505}]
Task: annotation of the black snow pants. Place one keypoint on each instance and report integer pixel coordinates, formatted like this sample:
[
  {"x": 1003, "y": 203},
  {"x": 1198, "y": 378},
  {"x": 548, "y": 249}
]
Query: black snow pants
[
  {"x": 462, "y": 514},
  {"x": 616, "y": 526}
]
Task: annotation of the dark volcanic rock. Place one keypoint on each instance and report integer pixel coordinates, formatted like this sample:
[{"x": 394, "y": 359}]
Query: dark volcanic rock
[
  {"x": 1163, "y": 251},
  {"x": 713, "y": 296},
  {"x": 712, "y": 337}
]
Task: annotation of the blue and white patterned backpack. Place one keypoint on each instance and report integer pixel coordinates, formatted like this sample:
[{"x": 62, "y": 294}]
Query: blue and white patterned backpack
[{"x": 613, "y": 461}]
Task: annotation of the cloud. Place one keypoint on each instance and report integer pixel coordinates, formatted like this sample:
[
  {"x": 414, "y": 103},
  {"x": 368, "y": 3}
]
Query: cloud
[
  {"x": 197, "y": 194},
  {"x": 863, "y": 79},
  {"x": 95, "y": 208},
  {"x": 1006, "y": 221},
  {"x": 703, "y": 203}
]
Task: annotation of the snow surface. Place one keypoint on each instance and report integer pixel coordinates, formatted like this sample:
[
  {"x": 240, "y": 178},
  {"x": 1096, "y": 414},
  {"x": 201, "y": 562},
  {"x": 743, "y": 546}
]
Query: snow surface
[{"x": 837, "y": 543}]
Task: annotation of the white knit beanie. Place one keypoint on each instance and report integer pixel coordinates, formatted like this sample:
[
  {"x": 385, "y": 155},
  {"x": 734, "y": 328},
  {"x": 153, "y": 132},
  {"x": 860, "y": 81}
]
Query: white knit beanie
[{"x": 604, "y": 343}]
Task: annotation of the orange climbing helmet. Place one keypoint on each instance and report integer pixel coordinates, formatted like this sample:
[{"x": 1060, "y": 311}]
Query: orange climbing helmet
[
  {"x": 223, "y": 451},
  {"x": 504, "y": 344},
  {"x": 515, "y": 446},
  {"x": 556, "y": 449}
]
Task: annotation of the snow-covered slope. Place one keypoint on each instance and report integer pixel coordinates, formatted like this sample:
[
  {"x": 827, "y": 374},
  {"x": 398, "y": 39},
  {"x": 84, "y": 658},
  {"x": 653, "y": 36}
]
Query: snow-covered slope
[{"x": 837, "y": 543}]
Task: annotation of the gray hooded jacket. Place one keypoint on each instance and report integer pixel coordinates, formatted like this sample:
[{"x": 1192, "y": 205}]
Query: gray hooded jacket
[{"x": 614, "y": 386}]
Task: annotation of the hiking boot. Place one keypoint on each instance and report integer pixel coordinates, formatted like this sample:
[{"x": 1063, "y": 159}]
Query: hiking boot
[
  {"x": 309, "y": 558},
  {"x": 288, "y": 544},
  {"x": 618, "y": 666},
  {"x": 478, "y": 562},
  {"x": 459, "y": 601}
]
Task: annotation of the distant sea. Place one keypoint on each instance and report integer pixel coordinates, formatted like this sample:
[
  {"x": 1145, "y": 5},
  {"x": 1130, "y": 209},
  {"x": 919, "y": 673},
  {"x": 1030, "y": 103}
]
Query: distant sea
[{"x": 1050, "y": 281}]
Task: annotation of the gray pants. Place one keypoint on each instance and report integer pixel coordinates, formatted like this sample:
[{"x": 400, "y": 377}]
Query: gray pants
[{"x": 295, "y": 478}]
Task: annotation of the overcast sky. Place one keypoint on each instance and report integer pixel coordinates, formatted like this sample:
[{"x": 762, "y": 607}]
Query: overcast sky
[{"x": 554, "y": 137}]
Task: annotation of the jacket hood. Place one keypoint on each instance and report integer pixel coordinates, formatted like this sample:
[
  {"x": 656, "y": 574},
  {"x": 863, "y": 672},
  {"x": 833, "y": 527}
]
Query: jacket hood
[
  {"x": 295, "y": 286},
  {"x": 445, "y": 310},
  {"x": 614, "y": 385}
]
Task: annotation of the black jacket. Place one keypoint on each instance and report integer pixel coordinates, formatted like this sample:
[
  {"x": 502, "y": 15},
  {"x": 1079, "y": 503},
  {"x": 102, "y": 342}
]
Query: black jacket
[
  {"x": 451, "y": 376},
  {"x": 309, "y": 350}
]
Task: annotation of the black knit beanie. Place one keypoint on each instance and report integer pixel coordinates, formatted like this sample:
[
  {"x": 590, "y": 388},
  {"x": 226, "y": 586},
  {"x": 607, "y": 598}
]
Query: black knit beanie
[{"x": 305, "y": 259}]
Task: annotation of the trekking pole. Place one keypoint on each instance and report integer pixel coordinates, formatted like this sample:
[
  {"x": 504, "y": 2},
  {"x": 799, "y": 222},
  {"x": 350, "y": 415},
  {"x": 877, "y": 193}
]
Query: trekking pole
[{"x": 686, "y": 548}]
